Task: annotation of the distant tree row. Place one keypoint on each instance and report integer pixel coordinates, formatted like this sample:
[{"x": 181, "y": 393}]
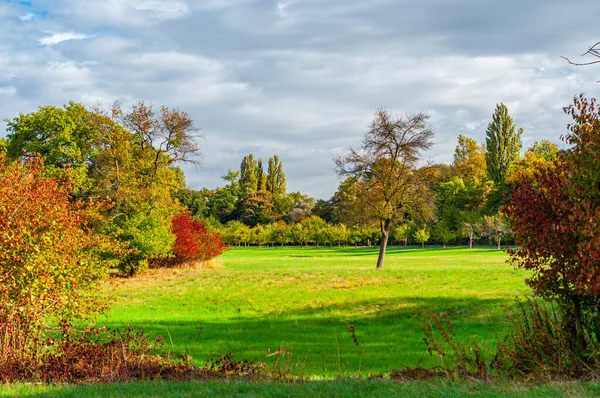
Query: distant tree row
[{"x": 385, "y": 186}]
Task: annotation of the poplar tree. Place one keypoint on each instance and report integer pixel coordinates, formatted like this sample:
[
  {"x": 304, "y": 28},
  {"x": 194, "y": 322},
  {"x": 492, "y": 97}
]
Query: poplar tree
[
  {"x": 503, "y": 144},
  {"x": 248, "y": 175}
]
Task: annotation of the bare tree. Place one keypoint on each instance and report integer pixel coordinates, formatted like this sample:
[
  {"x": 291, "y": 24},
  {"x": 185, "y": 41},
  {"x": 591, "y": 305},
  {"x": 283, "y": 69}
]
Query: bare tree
[
  {"x": 170, "y": 135},
  {"x": 385, "y": 167},
  {"x": 594, "y": 51}
]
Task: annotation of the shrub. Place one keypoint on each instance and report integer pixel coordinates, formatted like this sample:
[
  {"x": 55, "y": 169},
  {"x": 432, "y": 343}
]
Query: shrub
[
  {"x": 540, "y": 345},
  {"x": 193, "y": 241},
  {"x": 50, "y": 262}
]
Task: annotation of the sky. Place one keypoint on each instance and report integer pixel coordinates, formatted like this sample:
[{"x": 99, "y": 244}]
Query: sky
[{"x": 302, "y": 78}]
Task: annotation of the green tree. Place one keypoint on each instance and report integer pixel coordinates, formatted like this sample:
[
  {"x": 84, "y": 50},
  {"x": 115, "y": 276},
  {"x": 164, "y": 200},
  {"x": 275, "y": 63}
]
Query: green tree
[
  {"x": 67, "y": 138},
  {"x": 503, "y": 145},
  {"x": 257, "y": 208},
  {"x": 421, "y": 236},
  {"x": 248, "y": 175},
  {"x": 386, "y": 168}
]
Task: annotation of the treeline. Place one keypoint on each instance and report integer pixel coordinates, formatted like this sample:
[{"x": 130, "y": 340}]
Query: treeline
[{"x": 457, "y": 203}]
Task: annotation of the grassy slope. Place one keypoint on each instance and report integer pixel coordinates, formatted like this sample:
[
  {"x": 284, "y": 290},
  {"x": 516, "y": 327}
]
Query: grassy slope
[{"x": 302, "y": 300}]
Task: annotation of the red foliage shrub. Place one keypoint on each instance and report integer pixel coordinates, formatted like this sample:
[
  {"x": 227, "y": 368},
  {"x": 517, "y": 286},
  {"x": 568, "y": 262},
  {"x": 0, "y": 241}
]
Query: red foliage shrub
[{"x": 193, "y": 241}]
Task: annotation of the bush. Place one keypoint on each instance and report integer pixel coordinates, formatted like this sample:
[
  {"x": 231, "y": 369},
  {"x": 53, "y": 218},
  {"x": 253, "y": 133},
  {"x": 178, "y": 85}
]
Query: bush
[
  {"x": 540, "y": 345},
  {"x": 50, "y": 262},
  {"x": 193, "y": 241}
]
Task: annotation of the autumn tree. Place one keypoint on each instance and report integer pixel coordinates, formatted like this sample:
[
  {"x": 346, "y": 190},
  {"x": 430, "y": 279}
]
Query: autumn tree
[
  {"x": 469, "y": 159},
  {"x": 386, "y": 166},
  {"x": 555, "y": 218}
]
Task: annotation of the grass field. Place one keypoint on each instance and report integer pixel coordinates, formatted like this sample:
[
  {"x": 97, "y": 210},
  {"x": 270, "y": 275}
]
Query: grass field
[
  {"x": 302, "y": 301},
  {"x": 337, "y": 388}
]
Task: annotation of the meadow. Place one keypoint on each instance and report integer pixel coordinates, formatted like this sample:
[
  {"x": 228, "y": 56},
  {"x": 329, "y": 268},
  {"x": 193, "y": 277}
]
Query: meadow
[
  {"x": 294, "y": 305},
  {"x": 297, "y": 304}
]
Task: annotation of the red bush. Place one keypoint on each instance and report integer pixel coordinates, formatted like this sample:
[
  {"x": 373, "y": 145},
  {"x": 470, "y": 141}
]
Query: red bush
[{"x": 193, "y": 241}]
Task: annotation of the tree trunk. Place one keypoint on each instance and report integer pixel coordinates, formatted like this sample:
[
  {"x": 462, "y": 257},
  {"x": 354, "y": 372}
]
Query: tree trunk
[
  {"x": 385, "y": 234},
  {"x": 499, "y": 237},
  {"x": 470, "y": 242},
  {"x": 578, "y": 325},
  {"x": 405, "y": 242}
]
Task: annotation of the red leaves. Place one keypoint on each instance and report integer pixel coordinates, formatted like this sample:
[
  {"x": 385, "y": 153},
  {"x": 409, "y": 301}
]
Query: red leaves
[
  {"x": 194, "y": 242},
  {"x": 556, "y": 214}
]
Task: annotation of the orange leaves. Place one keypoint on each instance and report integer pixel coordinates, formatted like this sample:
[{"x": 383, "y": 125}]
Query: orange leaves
[{"x": 49, "y": 264}]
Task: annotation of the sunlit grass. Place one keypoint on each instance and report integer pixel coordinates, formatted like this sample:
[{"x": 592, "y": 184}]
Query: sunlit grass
[{"x": 302, "y": 300}]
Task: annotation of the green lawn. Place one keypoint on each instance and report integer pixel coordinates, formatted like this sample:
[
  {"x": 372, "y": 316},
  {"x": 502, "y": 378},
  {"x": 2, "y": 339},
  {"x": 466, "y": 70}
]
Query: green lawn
[
  {"x": 338, "y": 388},
  {"x": 302, "y": 301}
]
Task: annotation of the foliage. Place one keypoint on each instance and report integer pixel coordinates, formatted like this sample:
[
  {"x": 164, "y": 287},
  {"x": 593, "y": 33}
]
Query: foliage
[
  {"x": 503, "y": 144},
  {"x": 469, "y": 159},
  {"x": 66, "y": 137},
  {"x": 193, "y": 241},
  {"x": 301, "y": 209},
  {"x": 50, "y": 261},
  {"x": 127, "y": 157},
  {"x": 421, "y": 236},
  {"x": 554, "y": 217}
]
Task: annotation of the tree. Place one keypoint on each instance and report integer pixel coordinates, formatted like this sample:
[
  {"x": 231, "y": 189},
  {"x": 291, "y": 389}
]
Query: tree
[
  {"x": 301, "y": 209},
  {"x": 248, "y": 175},
  {"x": 326, "y": 210},
  {"x": 555, "y": 216},
  {"x": 170, "y": 136},
  {"x": 469, "y": 229},
  {"x": 67, "y": 138},
  {"x": 257, "y": 208},
  {"x": 386, "y": 165},
  {"x": 594, "y": 51},
  {"x": 469, "y": 159},
  {"x": 402, "y": 232},
  {"x": 128, "y": 157},
  {"x": 314, "y": 227},
  {"x": 443, "y": 232},
  {"x": 421, "y": 236},
  {"x": 503, "y": 144},
  {"x": 540, "y": 154}
]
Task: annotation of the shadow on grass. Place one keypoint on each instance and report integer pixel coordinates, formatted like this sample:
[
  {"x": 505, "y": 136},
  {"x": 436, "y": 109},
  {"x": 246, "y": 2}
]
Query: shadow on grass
[{"x": 389, "y": 336}]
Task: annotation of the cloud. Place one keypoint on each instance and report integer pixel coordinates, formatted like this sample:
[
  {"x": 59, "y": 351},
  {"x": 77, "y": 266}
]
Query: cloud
[
  {"x": 302, "y": 79},
  {"x": 54, "y": 38}
]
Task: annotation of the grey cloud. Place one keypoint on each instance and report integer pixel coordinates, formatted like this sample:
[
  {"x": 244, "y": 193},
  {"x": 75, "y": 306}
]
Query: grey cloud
[{"x": 302, "y": 78}]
